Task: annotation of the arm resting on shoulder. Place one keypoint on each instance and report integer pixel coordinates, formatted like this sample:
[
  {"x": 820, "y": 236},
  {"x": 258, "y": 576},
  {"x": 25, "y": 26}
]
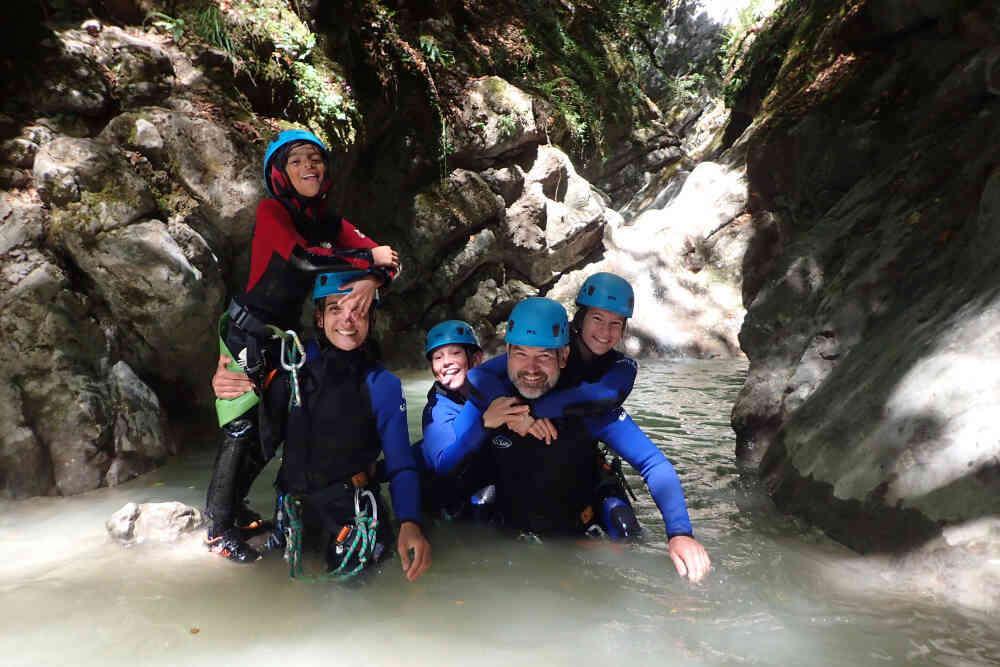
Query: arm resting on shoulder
[{"x": 589, "y": 398}]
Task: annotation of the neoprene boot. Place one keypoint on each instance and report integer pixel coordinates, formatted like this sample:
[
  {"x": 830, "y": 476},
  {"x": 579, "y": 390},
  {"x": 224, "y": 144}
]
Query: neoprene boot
[
  {"x": 229, "y": 544},
  {"x": 224, "y": 538}
]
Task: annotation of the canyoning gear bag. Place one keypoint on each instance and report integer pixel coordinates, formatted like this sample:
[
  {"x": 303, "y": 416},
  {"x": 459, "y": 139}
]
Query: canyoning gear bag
[
  {"x": 229, "y": 409},
  {"x": 613, "y": 495}
]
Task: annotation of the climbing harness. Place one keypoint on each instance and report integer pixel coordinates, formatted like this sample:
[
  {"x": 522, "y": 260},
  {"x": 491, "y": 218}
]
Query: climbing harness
[{"x": 355, "y": 543}]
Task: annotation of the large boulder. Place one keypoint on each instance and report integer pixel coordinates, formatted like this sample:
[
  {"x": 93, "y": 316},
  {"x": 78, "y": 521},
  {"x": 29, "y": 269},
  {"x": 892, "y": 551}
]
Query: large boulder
[
  {"x": 556, "y": 222},
  {"x": 495, "y": 119},
  {"x": 206, "y": 167},
  {"x": 68, "y": 417},
  {"x": 157, "y": 278}
]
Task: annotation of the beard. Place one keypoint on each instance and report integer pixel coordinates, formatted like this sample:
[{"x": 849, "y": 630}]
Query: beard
[{"x": 532, "y": 390}]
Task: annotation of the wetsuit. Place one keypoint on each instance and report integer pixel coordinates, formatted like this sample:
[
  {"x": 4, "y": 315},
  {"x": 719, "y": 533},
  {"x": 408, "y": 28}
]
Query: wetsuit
[
  {"x": 615, "y": 428},
  {"x": 293, "y": 240},
  {"x": 448, "y": 494},
  {"x": 352, "y": 411}
]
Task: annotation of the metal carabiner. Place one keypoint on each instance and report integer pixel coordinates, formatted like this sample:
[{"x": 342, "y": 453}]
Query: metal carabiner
[
  {"x": 297, "y": 347},
  {"x": 371, "y": 499}
]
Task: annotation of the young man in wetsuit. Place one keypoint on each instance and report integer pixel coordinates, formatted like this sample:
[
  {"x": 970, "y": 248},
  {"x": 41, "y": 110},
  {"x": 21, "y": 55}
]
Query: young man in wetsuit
[
  {"x": 295, "y": 237},
  {"x": 547, "y": 487}
]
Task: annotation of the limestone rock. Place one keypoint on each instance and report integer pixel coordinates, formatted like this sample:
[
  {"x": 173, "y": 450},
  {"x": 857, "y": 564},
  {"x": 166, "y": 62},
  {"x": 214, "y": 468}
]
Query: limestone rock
[
  {"x": 495, "y": 118},
  {"x": 557, "y": 221},
  {"x": 157, "y": 522},
  {"x": 219, "y": 169}
]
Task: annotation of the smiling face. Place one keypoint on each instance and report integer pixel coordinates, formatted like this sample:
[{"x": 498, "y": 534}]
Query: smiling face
[
  {"x": 601, "y": 330},
  {"x": 534, "y": 371},
  {"x": 345, "y": 329},
  {"x": 449, "y": 364},
  {"x": 306, "y": 169}
]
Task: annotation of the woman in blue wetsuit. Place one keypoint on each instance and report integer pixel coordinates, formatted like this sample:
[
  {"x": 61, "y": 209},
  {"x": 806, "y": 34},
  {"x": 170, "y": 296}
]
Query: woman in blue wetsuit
[{"x": 352, "y": 410}]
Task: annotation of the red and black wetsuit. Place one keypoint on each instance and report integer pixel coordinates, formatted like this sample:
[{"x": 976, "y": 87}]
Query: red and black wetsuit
[{"x": 278, "y": 282}]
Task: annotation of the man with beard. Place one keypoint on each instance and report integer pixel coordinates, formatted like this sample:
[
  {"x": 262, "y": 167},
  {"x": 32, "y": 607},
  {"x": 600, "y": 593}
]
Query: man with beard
[{"x": 545, "y": 486}]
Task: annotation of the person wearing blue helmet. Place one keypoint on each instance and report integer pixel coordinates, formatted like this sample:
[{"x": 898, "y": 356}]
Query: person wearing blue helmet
[
  {"x": 597, "y": 377},
  {"x": 452, "y": 349},
  {"x": 295, "y": 237},
  {"x": 351, "y": 410},
  {"x": 545, "y": 487}
]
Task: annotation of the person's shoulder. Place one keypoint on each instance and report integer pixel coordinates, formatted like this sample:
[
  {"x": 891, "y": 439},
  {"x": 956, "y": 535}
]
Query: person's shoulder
[
  {"x": 270, "y": 210},
  {"x": 622, "y": 358},
  {"x": 380, "y": 376}
]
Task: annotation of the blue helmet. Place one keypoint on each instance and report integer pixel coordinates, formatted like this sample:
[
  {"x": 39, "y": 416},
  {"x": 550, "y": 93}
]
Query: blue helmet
[
  {"x": 272, "y": 171},
  {"x": 450, "y": 332},
  {"x": 333, "y": 283},
  {"x": 538, "y": 322},
  {"x": 607, "y": 291}
]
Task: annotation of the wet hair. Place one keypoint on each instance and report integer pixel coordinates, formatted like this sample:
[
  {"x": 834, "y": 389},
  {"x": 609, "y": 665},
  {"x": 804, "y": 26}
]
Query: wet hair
[{"x": 576, "y": 324}]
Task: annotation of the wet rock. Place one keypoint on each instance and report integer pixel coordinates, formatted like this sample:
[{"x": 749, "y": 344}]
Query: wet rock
[
  {"x": 157, "y": 522},
  {"x": 685, "y": 263},
  {"x": 874, "y": 339},
  {"x": 223, "y": 172},
  {"x": 495, "y": 118},
  {"x": 556, "y": 222}
]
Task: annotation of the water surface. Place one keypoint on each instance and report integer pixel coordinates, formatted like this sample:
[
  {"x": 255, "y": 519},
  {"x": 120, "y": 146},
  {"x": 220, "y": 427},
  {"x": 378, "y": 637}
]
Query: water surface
[{"x": 779, "y": 593}]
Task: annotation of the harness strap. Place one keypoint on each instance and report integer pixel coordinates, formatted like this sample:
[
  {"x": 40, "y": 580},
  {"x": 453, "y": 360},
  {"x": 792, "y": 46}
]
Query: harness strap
[{"x": 240, "y": 316}]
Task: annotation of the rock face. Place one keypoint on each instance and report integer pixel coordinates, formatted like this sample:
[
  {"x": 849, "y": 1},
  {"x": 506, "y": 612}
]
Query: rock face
[
  {"x": 875, "y": 340},
  {"x": 482, "y": 240}
]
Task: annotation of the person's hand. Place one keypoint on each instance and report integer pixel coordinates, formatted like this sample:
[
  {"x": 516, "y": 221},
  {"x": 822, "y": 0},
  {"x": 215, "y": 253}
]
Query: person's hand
[
  {"x": 504, "y": 410},
  {"x": 384, "y": 255},
  {"x": 544, "y": 429},
  {"x": 229, "y": 384},
  {"x": 361, "y": 295},
  {"x": 690, "y": 558},
  {"x": 411, "y": 538}
]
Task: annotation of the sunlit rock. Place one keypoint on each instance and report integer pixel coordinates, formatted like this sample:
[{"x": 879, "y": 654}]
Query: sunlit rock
[
  {"x": 156, "y": 522},
  {"x": 495, "y": 118}
]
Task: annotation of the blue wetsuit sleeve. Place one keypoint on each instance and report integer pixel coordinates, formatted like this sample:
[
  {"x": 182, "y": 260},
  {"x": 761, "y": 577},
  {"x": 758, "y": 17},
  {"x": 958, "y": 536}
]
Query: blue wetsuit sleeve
[
  {"x": 389, "y": 407},
  {"x": 590, "y": 398},
  {"x": 626, "y": 438},
  {"x": 448, "y": 441},
  {"x": 488, "y": 382}
]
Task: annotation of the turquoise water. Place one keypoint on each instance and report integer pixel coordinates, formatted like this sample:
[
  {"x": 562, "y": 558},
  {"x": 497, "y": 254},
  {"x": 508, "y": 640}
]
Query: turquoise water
[{"x": 779, "y": 593}]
